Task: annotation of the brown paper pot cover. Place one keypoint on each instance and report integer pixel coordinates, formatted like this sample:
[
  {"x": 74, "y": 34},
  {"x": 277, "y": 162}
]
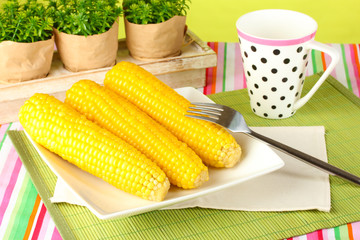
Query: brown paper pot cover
[
  {"x": 25, "y": 61},
  {"x": 152, "y": 41},
  {"x": 79, "y": 53}
]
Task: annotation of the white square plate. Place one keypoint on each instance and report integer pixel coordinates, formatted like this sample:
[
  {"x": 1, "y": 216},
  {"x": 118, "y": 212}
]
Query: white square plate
[{"x": 107, "y": 202}]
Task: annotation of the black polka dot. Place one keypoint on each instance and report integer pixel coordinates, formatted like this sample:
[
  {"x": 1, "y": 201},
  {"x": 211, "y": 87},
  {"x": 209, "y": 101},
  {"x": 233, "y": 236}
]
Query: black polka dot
[
  {"x": 248, "y": 73},
  {"x": 245, "y": 53},
  {"x": 273, "y": 89},
  {"x": 292, "y": 113},
  {"x": 254, "y": 67},
  {"x": 282, "y": 98},
  {"x": 289, "y": 105},
  {"x": 306, "y": 64},
  {"x": 251, "y": 92},
  {"x": 253, "y": 48},
  {"x": 239, "y": 41},
  {"x": 305, "y": 56},
  {"x": 258, "y": 104},
  {"x": 280, "y": 115},
  {"x": 263, "y": 60},
  {"x": 242, "y": 59},
  {"x": 274, "y": 70},
  {"x": 265, "y": 114},
  {"x": 299, "y": 49},
  {"x": 284, "y": 79},
  {"x": 301, "y": 75},
  {"x": 297, "y": 93},
  {"x": 292, "y": 87},
  {"x": 265, "y": 97},
  {"x": 294, "y": 69},
  {"x": 302, "y": 82},
  {"x": 254, "y": 110},
  {"x": 273, "y": 107},
  {"x": 256, "y": 86},
  {"x": 286, "y": 60},
  {"x": 264, "y": 79},
  {"x": 276, "y": 52}
]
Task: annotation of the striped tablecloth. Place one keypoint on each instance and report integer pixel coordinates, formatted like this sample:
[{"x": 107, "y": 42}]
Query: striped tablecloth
[{"x": 22, "y": 213}]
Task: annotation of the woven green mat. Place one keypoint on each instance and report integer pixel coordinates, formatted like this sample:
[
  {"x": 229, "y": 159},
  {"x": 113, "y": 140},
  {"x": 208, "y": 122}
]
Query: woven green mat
[{"x": 332, "y": 106}]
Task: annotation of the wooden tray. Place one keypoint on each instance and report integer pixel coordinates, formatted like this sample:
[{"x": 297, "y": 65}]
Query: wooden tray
[{"x": 188, "y": 69}]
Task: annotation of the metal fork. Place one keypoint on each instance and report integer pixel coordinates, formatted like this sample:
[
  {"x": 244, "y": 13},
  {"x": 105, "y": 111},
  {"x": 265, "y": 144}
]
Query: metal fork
[{"x": 235, "y": 122}]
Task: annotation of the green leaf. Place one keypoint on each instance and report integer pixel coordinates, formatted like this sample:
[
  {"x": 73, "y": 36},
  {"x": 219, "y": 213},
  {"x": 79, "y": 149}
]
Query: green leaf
[
  {"x": 84, "y": 17},
  {"x": 22, "y": 22},
  {"x": 153, "y": 11}
]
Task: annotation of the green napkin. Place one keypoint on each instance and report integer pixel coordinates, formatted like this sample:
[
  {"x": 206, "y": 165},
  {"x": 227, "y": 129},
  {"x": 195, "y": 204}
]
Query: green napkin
[{"x": 332, "y": 106}]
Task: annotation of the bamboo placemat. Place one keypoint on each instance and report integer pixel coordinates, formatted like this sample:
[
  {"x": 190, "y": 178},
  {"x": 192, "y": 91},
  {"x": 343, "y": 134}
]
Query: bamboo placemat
[{"x": 333, "y": 106}]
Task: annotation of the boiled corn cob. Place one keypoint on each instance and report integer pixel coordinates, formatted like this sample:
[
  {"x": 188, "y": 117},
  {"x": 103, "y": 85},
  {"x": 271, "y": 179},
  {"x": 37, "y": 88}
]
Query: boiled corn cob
[
  {"x": 211, "y": 142},
  {"x": 181, "y": 165},
  {"x": 64, "y": 131}
]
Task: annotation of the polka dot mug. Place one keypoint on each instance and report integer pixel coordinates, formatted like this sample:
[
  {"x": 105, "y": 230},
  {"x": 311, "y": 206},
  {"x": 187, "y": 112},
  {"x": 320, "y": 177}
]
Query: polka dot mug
[{"x": 275, "y": 47}]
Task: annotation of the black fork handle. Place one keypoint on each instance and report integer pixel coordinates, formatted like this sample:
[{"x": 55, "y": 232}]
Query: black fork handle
[{"x": 324, "y": 166}]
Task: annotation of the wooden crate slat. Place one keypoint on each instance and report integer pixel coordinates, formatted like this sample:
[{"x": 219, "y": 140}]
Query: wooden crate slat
[{"x": 188, "y": 69}]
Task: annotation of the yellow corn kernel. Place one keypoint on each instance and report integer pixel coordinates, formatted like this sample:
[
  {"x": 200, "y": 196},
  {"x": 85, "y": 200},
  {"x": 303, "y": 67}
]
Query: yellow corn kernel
[
  {"x": 181, "y": 164},
  {"x": 215, "y": 146},
  {"x": 64, "y": 131}
]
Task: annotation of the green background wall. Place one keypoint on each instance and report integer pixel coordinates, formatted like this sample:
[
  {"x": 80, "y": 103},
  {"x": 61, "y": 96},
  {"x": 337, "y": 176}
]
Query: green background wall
[
  {"x": 214, "y": 20},
  {"x": 338, "y": 20}
]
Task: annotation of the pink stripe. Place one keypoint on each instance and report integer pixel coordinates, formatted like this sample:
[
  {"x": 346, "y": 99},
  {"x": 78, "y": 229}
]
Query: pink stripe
[
  {"x": 3, "y": 129},
  {"x": 238, "y": 78},
  {"x": 220, "y": 68},
  {"x": 9, "y": 189},
  {"x": 45, "y": 224},
  {"x": 39, "y": 222},
  {"x": 325, "y": 234},
  {"x": 350, "y": 63},
  {"x": 56, "y": 235},
  {"x": 353, "y": 61},
  {"x": 356, "y": 66},
  {"x": 209, "y": 76},
  {"x": 356, "y": 230},
  {"x": 276, "y": 42},
  {"x": 244, "y": 80},
  {"x": 7, "y": 170},
  {"x": 312, "y": 236},
  {"x": 355, "y": 69}
]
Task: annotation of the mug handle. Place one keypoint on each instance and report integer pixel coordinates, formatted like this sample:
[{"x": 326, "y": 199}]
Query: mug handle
[{"x": 334, "y": 60}]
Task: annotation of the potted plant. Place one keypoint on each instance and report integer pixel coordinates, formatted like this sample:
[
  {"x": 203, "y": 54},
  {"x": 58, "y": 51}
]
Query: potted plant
[
  {"x": 86, "y": 32},
  {"x": 26, "y": 41},
  {"x": 155, "y": 28}
]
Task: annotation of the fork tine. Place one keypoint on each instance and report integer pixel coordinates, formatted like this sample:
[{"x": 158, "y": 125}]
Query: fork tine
[
  {"x": 212, "y": 105},
  {"x": 202, "y": 118},
  {"x": 205, "y": 113},
  {"x": 207, "y": 110}
]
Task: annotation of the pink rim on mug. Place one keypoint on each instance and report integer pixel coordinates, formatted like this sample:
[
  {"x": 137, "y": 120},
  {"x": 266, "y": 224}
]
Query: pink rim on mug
[{"x": 266, "y": 35}]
